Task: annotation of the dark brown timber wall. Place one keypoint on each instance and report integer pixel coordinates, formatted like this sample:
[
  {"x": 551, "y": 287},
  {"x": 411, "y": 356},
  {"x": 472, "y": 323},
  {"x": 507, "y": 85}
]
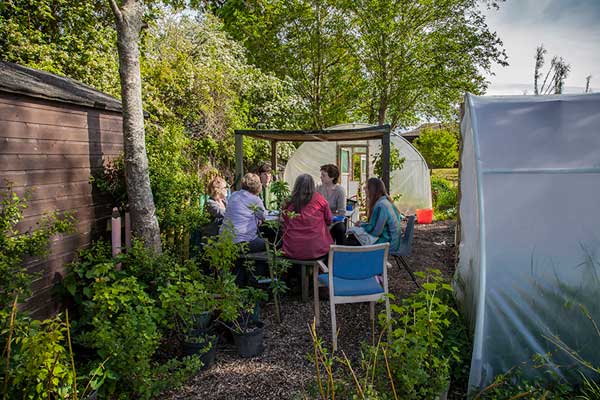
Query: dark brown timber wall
[{"x": 50, "y": 149}]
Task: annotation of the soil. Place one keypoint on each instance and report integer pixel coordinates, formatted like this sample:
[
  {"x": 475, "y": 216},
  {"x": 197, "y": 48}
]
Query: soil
[{"x": 284, "y": 371}]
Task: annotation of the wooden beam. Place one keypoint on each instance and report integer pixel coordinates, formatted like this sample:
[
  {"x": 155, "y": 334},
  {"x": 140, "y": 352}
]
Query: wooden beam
[{"x": 239, "y": 161}]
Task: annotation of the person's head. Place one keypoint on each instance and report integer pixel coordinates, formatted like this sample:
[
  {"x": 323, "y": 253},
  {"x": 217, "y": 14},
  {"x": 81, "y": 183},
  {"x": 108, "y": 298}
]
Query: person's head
[
  {"x": 329, "y": 174},
  {"x": 217, "y": 188},
  {"x": 251, "y": 183},
  {"x": 375, "y": 189},
  {"x": 264, "y": 172},
  {"x": 304, "y": 189}
]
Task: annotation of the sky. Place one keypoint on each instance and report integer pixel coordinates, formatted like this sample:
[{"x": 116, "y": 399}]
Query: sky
[{"x": 567, "y": 28}]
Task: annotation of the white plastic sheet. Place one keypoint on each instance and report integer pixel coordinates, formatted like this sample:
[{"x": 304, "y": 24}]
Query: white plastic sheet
[{"x": 528, "y": 276}]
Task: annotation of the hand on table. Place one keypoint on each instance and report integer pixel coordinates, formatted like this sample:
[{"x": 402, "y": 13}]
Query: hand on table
[{"x": 357, "y": 223}]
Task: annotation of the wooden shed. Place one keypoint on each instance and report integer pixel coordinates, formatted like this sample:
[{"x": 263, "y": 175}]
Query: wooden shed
[{"x": 54, "y": 133}]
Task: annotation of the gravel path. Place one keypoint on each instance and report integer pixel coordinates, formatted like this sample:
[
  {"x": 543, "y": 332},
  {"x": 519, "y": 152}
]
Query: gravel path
[{"x": 283, "y": 371}]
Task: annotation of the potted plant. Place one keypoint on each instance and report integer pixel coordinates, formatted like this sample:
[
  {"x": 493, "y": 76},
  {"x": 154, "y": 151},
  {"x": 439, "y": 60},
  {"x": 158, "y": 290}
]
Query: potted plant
[
  {"x": 248, "y": 330},
  {"x": 188, "y": 307}
]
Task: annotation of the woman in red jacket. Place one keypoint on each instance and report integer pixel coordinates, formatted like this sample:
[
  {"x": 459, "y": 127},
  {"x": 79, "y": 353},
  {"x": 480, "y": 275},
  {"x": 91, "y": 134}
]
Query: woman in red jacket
[{"x": 305, "y": 222}]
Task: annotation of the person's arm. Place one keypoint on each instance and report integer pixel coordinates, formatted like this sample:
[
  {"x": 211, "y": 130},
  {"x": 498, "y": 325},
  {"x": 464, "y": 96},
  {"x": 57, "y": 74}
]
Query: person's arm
[
  {"x": 259, "y": 210},
  {"x": 340, "y": 206},
  {"x": 376, "y": 223}
]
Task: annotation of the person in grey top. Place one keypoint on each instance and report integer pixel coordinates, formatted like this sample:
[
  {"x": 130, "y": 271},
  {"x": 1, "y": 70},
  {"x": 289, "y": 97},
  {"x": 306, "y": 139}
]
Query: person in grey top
[
  {"x": 215, "y": 205},
  {"x": 336, "y": 197}
]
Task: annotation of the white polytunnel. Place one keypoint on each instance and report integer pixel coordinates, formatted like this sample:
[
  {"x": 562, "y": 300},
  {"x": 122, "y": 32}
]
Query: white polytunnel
[
  {"x": 356, "y": 162},
  {"x": 528, "y": 276}
]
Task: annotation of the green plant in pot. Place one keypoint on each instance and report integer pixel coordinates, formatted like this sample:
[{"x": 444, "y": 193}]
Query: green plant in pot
[
  {"x": 248, "y": 330},
  {"x": 188, "y": 305}
]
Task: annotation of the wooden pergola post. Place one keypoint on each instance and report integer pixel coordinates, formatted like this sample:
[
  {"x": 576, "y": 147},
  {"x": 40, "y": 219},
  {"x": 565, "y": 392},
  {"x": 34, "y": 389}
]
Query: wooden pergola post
[
  {"x": 274, "y": 157},
  {"x": 385, "y": 155},
  {"x": 239, "y": 161}
]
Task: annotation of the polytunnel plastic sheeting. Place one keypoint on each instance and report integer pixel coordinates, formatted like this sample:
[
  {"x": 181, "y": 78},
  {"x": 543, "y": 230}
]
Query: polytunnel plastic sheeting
[
  {"x": 528, "y": 275},
  {"x": 412, "y": 181}
]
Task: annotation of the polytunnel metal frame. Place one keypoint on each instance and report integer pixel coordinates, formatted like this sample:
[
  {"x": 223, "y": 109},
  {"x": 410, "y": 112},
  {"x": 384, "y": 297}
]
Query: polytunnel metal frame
[{"x": 381, "y": 132}]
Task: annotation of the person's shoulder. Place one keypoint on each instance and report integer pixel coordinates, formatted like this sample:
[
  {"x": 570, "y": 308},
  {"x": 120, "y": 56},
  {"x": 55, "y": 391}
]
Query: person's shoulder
[
  {"x": 317, "y": 196},
  {"x": 340, "y": 189}
]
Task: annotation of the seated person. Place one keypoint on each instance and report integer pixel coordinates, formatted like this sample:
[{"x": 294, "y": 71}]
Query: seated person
[
  {"x": 306, "y": 235},
  {"x": 336, "y": 198},
  {"x": 215, "y": 205},
  {"x": 264, "y": 173},
  {"x": 384, "y": 219},
  {"x": 245, "y": 212}
]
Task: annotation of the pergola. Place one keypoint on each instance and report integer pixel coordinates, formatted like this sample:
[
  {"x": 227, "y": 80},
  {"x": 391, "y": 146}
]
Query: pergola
[{"x": 381, "y": 132}]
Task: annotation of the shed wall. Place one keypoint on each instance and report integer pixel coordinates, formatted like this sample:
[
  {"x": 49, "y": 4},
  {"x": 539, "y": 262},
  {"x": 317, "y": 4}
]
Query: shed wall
[{"x": 50, "y": 149}]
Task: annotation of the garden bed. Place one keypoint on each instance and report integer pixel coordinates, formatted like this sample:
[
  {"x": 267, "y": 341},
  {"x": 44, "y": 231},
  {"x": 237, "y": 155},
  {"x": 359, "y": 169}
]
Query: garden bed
[{"x": 283, "y": 371}]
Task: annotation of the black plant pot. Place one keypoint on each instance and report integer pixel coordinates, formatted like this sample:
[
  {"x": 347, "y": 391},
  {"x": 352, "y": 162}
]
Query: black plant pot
[
  {"x": 250, "y": 343},
  {"x": 207, "y": 354}
]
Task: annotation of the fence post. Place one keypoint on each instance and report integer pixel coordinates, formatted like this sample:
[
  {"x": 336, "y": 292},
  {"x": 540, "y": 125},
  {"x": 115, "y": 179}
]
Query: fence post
[{"x": 115, "y": 233}]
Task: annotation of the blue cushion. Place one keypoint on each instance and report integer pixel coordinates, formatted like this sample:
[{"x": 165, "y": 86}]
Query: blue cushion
[{"x": 352, "y": 287}]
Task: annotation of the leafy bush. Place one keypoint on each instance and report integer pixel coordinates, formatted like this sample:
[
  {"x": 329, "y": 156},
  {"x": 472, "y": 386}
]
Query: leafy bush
[
  {"x": 445, "y": 198},
  {"x": 438, "y": 146}
]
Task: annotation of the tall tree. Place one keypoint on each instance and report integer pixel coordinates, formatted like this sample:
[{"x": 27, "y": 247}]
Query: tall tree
[
  {"x": 128, "y": 18},
  {"x": 557, "y": 72},
  {"x": 305, "y": 41},
  {"x": 539, "y": 63},
  {"x": 421, "y": 56}
]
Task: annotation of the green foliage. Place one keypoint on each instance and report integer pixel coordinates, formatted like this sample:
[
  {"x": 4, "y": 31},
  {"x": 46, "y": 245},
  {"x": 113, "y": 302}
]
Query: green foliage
[
  {"x": 438, "y": 146},
  {"x": 123, "y": 331},
  {"x": 445, "y": 198},
  {"x": 69, "y": 38},
  {"x": 396, "y": 162},
  {"x": 174, "y": 177},
  {"x": 305, "y": 42},
  {"x": 15, "y": 246},
  {"x": 125, "y": 305},
  {"x": 39, "y": 366},
  {"x": 423, "y": 345}
]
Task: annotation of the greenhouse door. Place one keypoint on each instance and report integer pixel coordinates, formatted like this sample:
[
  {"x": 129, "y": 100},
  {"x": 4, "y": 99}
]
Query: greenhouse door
[{"x": 352, "y": 161}]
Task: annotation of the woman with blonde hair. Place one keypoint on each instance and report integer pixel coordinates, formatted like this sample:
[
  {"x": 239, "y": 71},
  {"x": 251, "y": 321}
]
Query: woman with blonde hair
[{"x": 215, "y": 205}]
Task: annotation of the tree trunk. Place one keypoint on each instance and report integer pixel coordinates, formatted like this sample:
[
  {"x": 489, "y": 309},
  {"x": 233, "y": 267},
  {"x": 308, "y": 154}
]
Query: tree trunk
[{"x": 141, "y": 203}]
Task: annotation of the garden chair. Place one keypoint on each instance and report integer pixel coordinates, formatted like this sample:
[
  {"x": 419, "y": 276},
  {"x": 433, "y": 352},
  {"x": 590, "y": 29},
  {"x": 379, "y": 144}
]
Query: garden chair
[
  {"x": 352, "y": 274},
  {"x": 406, "y": 248}
]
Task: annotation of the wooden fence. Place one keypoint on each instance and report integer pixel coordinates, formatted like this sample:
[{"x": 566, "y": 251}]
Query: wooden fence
[{"x": 50, "y": 149}]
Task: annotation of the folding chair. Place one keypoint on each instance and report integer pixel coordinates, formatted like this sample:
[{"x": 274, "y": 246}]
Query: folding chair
[
  {"x": 406, "y": 248},
  {"x": 351, "y": 275}
]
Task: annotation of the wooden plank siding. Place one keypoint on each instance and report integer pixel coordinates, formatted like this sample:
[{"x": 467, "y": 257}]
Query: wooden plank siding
[{"x": 50, "y": 149}]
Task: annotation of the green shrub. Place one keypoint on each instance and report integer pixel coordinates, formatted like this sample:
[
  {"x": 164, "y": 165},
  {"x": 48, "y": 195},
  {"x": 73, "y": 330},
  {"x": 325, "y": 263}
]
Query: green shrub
[
  {"x": 445, "y": 198},
  {"x": 438, "y": 146},
  {"x": 416, "y": 361}
]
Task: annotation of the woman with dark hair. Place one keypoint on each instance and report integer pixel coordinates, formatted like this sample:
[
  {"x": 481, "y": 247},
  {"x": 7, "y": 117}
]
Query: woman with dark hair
[
  {"x": 336, "y": 198},
  {"x": 384, "y": 218},
  {"x": 305, "y": 220}
]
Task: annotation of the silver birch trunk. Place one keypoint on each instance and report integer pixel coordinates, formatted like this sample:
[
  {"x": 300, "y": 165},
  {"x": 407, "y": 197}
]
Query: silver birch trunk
[{"x": 141, "y": 203}]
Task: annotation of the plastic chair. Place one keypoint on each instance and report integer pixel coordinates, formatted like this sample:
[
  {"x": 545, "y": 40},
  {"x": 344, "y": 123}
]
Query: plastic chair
[
  {"x": 351, "y": 276},
  {"x": 406, "y": 247}
]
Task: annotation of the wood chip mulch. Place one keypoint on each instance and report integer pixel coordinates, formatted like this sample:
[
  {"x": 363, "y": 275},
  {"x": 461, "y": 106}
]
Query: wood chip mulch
[{"x": 284, "y": 371}]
